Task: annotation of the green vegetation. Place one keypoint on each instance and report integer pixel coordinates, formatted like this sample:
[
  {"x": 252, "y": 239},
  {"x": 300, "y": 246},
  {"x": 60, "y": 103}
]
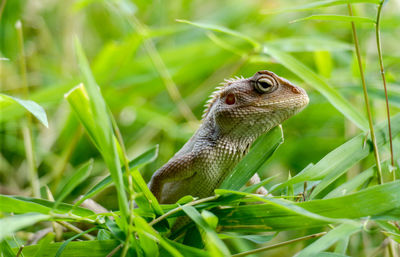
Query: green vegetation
[{"x": 335, "y": 188}]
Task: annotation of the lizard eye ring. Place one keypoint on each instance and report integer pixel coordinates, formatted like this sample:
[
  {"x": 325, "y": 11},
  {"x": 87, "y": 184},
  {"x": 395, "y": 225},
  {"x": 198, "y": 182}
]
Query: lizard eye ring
[
  {"x": 265, "y": 85},
  {"x": 230, "y": 99}
]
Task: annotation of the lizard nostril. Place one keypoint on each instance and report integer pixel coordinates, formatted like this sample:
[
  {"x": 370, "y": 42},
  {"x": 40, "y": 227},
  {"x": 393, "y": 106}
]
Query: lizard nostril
[
  {"x": 296, "y": 90},
  {"x": 230, "y": 99}
]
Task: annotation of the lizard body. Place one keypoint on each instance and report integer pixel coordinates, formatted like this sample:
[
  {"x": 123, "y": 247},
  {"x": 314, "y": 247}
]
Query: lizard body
[{"x": 237, "y": 114}]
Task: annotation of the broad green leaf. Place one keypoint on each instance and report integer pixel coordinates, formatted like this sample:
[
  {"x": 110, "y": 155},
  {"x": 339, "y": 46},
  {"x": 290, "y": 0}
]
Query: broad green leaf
[
  {"x": 342, "y": 231},
  {"x": 343, "y": 157},
  {"x": 143, "y": 159},
  {"x": 20, "y": 204},
  {"x": 102, "y": 131},
  {"x": 319, "y": 4},
  {"x": 286, "y": 206},
  {"x": 262, "y": 150},
  {"x": 32, "y": 107},
  {"x": 214, "y": 245},
  {"x": 75, "y": 249},
  {"x": 14, "y": 223},
  {"x": 374, "y": 201},
  {"x": 77, "y": 178},
  {"x": 328, "y": 17},
  {"x": 318, "y": 83}
]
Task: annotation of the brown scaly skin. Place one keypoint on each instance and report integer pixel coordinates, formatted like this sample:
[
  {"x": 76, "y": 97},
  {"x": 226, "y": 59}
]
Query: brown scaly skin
[{"x": 238, "y": 113}]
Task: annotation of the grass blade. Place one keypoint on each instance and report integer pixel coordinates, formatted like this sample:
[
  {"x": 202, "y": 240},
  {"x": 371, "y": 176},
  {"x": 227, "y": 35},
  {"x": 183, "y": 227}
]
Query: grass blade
[
  {"x": 76, "y": 248},
  {"x": 31, "y": 106},
  {"x": 143, "y": 159},
  {"x": 343, "y": 157},
  {"x": 103, "y": 132},
  {"x": 14, "y": 223},
  {"x": 212, "y": 241},
  {"x": 262, "y": 150},
  {"x": 77, "y": 178},
  {"x": 329, "y": 239}
]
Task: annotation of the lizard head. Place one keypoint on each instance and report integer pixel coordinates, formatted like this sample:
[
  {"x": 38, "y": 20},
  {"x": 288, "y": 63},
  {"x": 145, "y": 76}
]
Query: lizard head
[{"x": 254, "y": 105}]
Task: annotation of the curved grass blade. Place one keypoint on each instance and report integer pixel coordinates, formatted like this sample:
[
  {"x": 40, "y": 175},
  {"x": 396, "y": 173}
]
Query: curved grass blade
[
  {"x": 77, "y": 178},
  {"x": 76, "y": 248},
  {"x": 375, "y": 201},
  {"x": 342, "y": 231},
  {"x": 20, "y": 204},
  {"x": 14, "y": 223},
  {"x": 343, "y": 157},
  {"x": 215, "y": 246},
  {"x": 62, "y": 247},
  {"x": 102, "y": 131},
  {"x": 262, "y": 150},
  {"x": 31, "y": 106},
  {"x": 143, "y": 159}
]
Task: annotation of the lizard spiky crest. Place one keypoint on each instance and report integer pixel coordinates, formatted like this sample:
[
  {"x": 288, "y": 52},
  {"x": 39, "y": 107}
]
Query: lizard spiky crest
[{"x": 217, "y": 92}]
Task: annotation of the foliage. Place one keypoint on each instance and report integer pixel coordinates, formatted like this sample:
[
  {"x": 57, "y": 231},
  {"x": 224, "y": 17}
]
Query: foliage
[{"x": 115, "y": 88}]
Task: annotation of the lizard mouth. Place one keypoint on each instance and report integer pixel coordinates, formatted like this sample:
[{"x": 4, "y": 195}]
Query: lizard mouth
[{"x": 293, "y": 102}]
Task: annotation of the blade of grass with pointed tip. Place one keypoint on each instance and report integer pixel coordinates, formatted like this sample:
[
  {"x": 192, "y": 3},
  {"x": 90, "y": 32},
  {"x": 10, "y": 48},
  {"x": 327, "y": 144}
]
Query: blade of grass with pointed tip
[
  {"x": 77, "y": 178},
  {"x": 262, "y": 150},
  {"x": 343, "y": 157},
  {"x": 143, "y": 159},
  {"x": 375, "y": 201},
  {"x": 20, "y": 204},
  {"x": 76, "y": 248},
  {"x": 32, "y": 107},
  {"x": 103, "y": 130},
  {"x": 14, "y": 223},
  {"x": 342, "y": 231}
]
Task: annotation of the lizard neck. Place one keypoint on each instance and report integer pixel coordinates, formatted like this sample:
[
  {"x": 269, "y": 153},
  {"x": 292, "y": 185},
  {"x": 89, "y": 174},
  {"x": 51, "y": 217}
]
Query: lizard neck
[{"x": 230, "y": 144}]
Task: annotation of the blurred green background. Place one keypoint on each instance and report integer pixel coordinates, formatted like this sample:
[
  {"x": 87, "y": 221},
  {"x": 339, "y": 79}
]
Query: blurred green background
[{"x": 117, "y": 36}]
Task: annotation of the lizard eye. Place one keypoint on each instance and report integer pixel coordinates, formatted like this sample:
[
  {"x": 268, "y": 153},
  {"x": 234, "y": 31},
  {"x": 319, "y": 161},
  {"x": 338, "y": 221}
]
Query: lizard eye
[
  {"x": 230, "y": 99},
  {"x": 264, "y": 85}
]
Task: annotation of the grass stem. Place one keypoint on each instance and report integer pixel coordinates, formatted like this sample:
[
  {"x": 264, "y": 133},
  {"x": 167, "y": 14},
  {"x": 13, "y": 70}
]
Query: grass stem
[
  {"x": 366, "y": 99},
  {"x": 158, "y": 63},
  {"x": 379, "y": 48},
  {"x": 279, "y": 244},
  {"x": 27, "y": 130}
]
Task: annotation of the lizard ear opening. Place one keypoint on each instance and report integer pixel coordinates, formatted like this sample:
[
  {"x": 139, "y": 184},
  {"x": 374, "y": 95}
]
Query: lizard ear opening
[{"x": 230, "y": 99}]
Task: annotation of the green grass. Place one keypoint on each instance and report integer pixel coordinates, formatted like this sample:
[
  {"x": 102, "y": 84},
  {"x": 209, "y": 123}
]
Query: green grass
[{"x": 97, "y": 95}]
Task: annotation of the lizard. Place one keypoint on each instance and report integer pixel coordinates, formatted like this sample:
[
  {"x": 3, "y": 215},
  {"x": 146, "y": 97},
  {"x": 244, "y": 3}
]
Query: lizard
[{"x": 237, "y": 113}]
